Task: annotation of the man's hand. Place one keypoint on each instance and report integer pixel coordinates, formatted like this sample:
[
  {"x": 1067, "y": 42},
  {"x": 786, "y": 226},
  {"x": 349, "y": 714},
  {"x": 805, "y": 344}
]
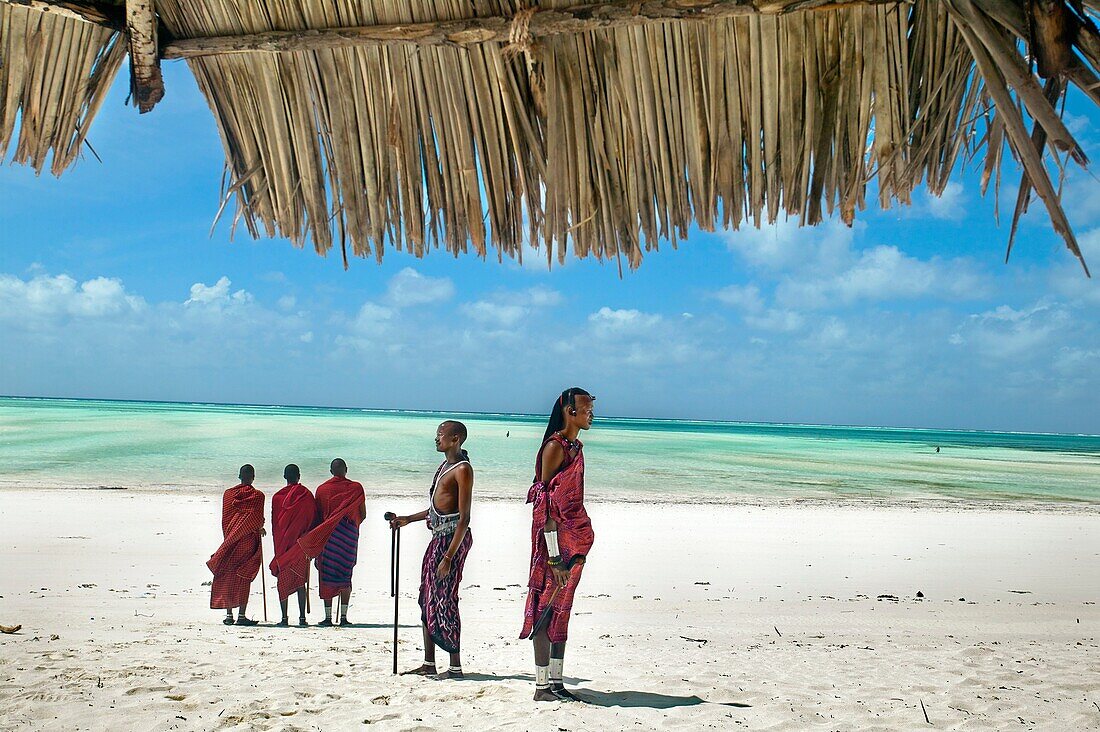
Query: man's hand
[
  {"x": 444, "y": 567},
  {"x": 561, "y": 575},
  {"x": 399, "y": 521},
  {"x": 263, "y": 531}
]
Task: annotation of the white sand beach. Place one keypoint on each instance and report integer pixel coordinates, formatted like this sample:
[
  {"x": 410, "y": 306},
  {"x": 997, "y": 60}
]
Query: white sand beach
[{"x": 689, "y": 617}]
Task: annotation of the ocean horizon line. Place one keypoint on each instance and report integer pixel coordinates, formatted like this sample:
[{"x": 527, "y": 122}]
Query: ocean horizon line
[{"x": 531, "y": 415}]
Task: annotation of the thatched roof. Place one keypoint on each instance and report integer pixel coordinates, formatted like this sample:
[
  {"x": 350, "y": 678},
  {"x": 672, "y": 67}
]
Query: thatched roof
[{"x": 601, "y": 128}]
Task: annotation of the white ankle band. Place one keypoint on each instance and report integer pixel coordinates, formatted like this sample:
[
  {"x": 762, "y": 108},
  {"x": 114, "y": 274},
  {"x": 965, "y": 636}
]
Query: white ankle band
[
  {"x": 556, "y": 665},
  {"x": 542, "y": 677}
]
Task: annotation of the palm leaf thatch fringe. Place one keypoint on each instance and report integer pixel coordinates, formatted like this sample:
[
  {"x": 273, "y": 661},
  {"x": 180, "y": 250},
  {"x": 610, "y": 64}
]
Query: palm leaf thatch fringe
[
  {"x": 478, "y": 124},
  {"x": 54, "y": 74}
]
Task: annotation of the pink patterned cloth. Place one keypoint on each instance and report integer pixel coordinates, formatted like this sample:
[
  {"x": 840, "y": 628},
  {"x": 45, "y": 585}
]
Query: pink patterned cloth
[
  {"x": 563, "y": 500},
  {"x": 439, "y": 597}
]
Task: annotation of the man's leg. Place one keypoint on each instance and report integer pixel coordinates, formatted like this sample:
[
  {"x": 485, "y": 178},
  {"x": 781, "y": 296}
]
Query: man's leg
[
  {"x": 285, "y": 621},
  {"x": 228, "y": 616},
  {"x": 345, "y": 599},
  {"x": 557, "y": 662},
  {"x": 428, "y": 667},
  {"x": 327, "y": 622},
  {"x": 455, "y": 669},
  {"x": 241, "y": 619},
  {"x": 542, "y": 645},
  {"x": 301, "y": 607}
]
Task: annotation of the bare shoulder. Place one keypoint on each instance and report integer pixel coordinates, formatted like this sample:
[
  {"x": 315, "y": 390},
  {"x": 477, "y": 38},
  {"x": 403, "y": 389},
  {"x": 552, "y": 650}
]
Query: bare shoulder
[
  {"x": 553, "y": 452},
  {"x": 553, "y": 455}
]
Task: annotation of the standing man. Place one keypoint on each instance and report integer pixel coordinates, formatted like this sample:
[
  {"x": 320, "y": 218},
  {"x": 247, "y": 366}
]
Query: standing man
[
  {"x": 343, "y": 507},
  {"x": 561, "y": 537},
  {"x": 237, "y": 561},
  {"x": 448, "y": 517},
  {"x": 293, "y": 513}
]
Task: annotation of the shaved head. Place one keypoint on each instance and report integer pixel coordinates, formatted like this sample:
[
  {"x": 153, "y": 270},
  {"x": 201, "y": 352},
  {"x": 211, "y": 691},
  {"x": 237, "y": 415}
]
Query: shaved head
[
  {"x": 292, "y": 474},
  {"x": 455, "y": 429},
  {"x": 247, "y": 474},
  {"x": 338, "y": 468}
]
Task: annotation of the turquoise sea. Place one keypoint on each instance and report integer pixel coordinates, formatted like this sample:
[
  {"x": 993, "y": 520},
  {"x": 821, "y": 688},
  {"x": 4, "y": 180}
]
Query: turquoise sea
[{"x": 198, "y": 447}]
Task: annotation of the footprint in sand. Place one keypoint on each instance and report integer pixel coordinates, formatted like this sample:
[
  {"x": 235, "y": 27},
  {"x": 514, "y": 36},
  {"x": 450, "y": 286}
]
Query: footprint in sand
[
  {"x": 45, "y": 696},
  {"x": 147, "y": 690}
]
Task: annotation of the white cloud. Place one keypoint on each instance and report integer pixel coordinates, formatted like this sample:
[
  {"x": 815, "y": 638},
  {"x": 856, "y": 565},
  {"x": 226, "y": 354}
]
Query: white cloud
[
  {"x": 785, "y": 245},
  {"x": 949, "y": 206},
  {"x": 409, "y": 288},
  {"x": 507, "y": 309},
  {"x": 542, "y": 297},
  {"x": 883, "y": 273},
  {"x": 287, "y": 302},
  {"x": 372, "y": 319},
  {"x": 776, "y": 319},
  {"x": 742, "y": 297},
  {"x": 607, "y": 321},
  {"x": 1010, "y": 333},
  {"x": 217, "y": 294},
  {"x": 44, "y": 296},
  {"x": 1068, "y": 278},
  {"x": 497, "y": 314},
  {"x": 820, "y": 268}
]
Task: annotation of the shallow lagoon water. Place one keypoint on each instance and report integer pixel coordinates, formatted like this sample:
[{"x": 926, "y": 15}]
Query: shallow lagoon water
[{"x": 198, "y": 447}]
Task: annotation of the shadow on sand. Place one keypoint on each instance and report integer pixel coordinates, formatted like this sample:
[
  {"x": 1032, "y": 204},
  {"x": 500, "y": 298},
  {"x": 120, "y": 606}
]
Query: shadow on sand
[
  {"x": 493, "y": 677},
  {"x": 645, "y": 699},
  {"x": 350, "y": 626}
]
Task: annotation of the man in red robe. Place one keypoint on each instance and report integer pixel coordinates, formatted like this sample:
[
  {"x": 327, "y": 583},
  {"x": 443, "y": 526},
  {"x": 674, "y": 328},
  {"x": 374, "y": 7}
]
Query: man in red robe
[
  {"x": 237, "y": 561},
  {"x": 293, "y": 513},
  {"x": 334, "y": 541}
]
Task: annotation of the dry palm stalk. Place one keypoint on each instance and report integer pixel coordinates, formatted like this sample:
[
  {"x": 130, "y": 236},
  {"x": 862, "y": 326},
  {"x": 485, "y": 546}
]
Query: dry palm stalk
[
  {"x": 54, "y": 74},
  {"x": 601, "y": 129}
]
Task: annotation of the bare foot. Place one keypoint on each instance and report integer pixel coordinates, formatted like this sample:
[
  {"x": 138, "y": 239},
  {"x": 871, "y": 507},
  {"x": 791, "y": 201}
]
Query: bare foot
[
  {"x": 424, "y": 670},
  {"x": 546, "y": 695}
]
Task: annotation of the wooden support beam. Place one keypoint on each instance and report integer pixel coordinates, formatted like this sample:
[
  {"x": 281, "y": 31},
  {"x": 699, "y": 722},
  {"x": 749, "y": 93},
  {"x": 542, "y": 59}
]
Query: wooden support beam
[
  {"x": 525, "y": 27},
  {"x": 146, "y": 83},
  {"x": 107, "y": 16}
]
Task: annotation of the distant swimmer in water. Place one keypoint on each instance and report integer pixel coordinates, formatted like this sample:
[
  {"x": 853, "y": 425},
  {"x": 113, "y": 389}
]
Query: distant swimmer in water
[
  {"x": 937, "y": 448},
  {"x": 508, "y": 433}
]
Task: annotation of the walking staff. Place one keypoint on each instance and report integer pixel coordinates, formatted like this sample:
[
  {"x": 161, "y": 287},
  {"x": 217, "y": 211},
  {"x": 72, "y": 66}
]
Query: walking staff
[{"x": 395, "y": 570}]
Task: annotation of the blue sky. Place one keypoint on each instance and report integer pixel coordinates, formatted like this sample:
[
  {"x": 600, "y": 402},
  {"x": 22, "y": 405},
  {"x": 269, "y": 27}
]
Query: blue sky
[{"x": 112, "y": 287}]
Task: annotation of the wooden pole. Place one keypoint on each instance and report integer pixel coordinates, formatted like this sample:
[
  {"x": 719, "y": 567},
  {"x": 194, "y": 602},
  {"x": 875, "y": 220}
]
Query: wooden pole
[
  {"x": 521, "y": 29},
  {"x": 263, "y": 578},
  {"x": 146, "y": 83},
  {"x": 107, "y": 16},
  {"x": 396, "y": 592}
]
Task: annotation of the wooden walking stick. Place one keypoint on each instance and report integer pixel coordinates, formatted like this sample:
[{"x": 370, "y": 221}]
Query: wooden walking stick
[
  {"x": 263, "y": 578},
  {"x": 395, "y": 569}
]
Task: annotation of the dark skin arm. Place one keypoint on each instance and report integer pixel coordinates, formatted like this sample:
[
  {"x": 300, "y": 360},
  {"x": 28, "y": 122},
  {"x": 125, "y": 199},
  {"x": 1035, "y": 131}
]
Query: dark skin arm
[
  {"x": 464, "y": 476},
  {"x": 553, "y": 456},
  {"x": 400, "y": 521}
]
